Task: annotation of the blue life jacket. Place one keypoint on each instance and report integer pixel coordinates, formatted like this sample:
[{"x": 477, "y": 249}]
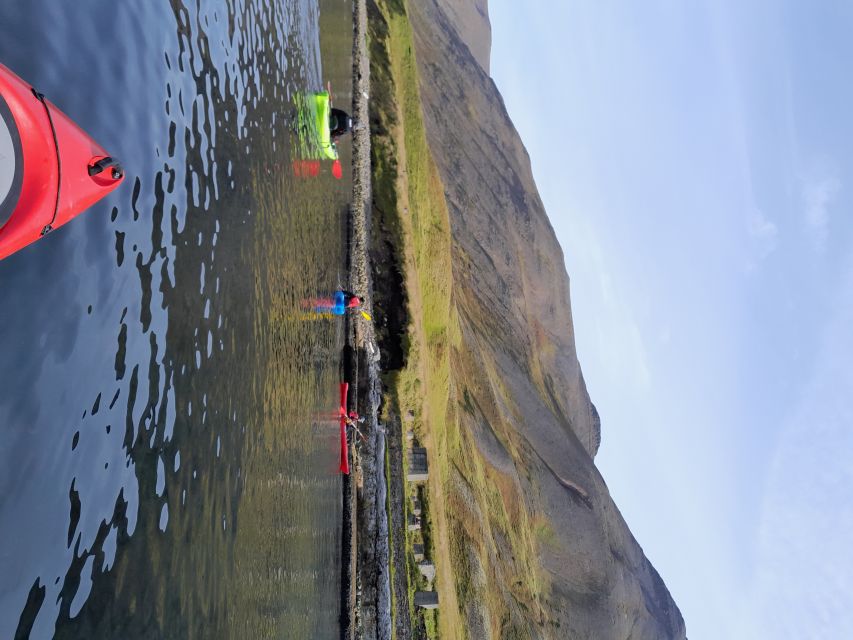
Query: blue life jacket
[{"x": 340, "y": 307}]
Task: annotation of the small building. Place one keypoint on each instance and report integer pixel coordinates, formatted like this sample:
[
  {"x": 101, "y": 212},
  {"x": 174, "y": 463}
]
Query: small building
[
  {"x": 418, "y": 469},
  {"x": 413, "y": 523},
  {"x": 418, "y": 552},
  {"x": 427, "y": 570},
  {"x": 416, "y": 506},
  {"x": 426, "y": 599}
]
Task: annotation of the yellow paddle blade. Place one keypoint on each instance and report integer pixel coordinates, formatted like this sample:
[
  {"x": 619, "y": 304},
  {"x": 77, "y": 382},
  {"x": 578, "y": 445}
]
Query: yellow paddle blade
[{"x": 366, "y": 315}]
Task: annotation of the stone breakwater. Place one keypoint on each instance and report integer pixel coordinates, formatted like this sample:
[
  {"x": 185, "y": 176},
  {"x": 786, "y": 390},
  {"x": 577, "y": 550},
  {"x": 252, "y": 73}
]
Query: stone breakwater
[{"x": 365, "y": 585}]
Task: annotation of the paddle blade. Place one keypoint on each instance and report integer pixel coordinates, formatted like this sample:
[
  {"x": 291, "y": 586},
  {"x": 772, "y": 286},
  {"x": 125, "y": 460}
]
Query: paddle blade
[
  {"x": 366, "y": 315},
  {"x": 337, "y": 170}
]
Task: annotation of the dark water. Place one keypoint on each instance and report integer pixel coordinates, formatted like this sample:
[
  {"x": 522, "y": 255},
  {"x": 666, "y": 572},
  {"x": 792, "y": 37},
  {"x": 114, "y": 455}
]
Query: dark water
[{"x": 166, "y": 464}]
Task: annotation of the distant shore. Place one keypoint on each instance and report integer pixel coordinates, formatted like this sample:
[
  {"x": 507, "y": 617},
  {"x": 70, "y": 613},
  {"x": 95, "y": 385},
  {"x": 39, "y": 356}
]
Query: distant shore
[{"x": 365, "y": 595}]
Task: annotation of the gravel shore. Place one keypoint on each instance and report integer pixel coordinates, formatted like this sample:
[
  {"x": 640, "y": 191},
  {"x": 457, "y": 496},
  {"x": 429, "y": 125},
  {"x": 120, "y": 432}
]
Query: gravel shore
[{"x": 365, "y": 586}]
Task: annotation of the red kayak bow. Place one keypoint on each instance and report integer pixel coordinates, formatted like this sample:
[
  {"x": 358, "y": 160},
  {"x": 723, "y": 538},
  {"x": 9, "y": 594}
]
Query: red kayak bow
[{"x": 50, "y": 170}]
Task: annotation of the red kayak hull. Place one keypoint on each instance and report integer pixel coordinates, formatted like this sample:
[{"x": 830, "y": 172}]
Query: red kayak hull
[
  {"x": 53, "y": 183},
  {"x": 343, "y": 413}
]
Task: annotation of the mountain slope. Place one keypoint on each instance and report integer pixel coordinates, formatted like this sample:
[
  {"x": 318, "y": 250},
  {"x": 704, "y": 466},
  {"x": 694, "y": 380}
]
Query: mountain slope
[
  {"x": 470, "y": 19},
  {"x": 525, "y": 420}
]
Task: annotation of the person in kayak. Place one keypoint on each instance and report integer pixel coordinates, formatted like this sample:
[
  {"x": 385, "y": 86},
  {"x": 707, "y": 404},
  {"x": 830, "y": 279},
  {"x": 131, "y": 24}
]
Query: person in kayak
[
  {"x": 341, "y": 302},
  {"x": 352, "y": 421},
  {"x": 340, "y": 123}
]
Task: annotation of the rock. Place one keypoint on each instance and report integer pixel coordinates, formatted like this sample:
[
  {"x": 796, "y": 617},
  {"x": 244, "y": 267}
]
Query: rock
[
  {"x": 426, "y": 599},
  {"x": 427, "y": 570}
]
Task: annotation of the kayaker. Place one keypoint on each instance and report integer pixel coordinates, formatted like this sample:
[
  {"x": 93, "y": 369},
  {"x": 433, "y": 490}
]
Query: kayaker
[
  {"x": 340, "y": 123},
  {"x": 341, "y": 302},
  {"x": 353, "y": 420}
]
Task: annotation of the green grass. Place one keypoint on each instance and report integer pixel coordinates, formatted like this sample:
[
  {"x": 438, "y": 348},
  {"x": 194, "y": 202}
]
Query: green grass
[{"x": 406, "y": 182}]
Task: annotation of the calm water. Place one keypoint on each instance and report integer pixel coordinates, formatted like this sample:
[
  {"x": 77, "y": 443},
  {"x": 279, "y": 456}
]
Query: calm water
[{"x": 166, "y": 464}]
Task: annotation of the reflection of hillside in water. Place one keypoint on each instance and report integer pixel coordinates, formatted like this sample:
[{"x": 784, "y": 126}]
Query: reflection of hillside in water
[{"x": 231, "y": 528}]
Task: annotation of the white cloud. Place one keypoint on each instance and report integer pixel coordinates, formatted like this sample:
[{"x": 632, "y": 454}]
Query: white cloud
[
  {"x": 620, "y": 344},
  {"x": 763, "y": 232},
  {"x": 818, "y": 194},
  {"x": 803, "y": 583}
]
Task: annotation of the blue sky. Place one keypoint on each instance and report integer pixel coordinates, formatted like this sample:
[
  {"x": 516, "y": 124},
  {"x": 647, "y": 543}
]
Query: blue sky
[{"x": 696, "y": 161}]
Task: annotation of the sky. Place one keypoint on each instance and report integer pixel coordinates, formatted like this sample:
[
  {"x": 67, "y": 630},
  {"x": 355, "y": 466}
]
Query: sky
[{"x": 696, "y": 161}]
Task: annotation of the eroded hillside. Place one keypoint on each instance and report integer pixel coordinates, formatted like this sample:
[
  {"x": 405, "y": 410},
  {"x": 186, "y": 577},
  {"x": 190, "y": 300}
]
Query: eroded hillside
[{"x": 528, "y": 542}]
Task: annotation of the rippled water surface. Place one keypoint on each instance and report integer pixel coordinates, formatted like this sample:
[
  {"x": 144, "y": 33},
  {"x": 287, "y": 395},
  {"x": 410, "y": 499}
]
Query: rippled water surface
[{"x": 167, "y": 468}]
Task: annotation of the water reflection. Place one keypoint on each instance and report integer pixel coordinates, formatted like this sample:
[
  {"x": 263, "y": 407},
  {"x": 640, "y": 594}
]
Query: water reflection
[
  {"x": 162, "y": 471},
  {"x": 336, "y": 304}
]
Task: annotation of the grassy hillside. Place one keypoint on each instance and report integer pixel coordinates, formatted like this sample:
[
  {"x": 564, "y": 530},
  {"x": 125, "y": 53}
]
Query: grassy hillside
[
  {"x": 409, "y": 198},
  {"x": 409, "y": 202}
]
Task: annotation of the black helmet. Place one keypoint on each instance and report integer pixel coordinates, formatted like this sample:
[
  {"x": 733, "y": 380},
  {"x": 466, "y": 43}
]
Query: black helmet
[{"x": 339, "y": 122}]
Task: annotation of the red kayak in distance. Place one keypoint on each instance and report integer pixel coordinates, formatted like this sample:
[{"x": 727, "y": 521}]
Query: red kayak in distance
[
  {"x": 344, "y": 467},
  {"x": 50, "y": 170}
]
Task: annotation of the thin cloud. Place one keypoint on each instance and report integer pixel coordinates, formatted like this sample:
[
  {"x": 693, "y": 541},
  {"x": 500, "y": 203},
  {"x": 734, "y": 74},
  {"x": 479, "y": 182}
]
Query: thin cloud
[
  {"x": 620, "y": 342},
  {"x": 818, "y": 195},
  {"x": 763, "y": 233},
  {"x": 803, "y": 583}
]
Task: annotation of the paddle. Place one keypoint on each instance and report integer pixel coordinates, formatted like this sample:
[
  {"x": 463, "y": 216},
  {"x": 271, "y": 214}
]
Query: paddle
[{"x": 366, "y": 315}]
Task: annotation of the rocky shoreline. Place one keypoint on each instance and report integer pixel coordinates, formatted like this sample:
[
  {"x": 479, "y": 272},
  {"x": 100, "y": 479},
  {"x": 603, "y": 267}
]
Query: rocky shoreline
[{"x": 365, "y": 585}]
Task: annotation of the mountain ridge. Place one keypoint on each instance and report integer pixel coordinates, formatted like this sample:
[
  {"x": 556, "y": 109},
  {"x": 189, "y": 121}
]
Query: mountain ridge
[
  {"x": 471, "y": 21},
  {"x": 525, "y": 407}
]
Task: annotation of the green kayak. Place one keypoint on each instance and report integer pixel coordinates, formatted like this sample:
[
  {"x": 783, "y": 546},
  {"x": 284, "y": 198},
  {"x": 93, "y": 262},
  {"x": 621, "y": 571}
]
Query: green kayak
[{"x": 315, "y": 137}]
